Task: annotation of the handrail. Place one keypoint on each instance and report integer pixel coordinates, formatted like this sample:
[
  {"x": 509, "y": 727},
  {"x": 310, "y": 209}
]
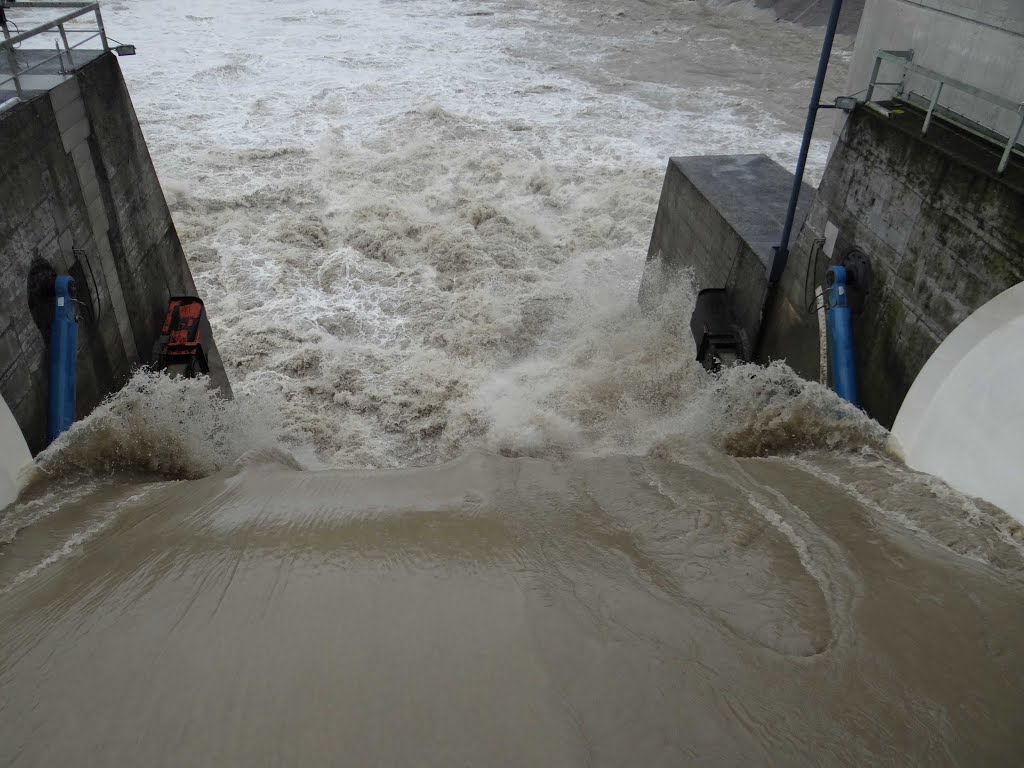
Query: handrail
[
  {"x": 7, "y": 45},
  {"x": 906, "y": 61},
  {"x": 58, "y": 55},
  {"x": 50, "y": 24},
  {"x": 37, "y": 5}
]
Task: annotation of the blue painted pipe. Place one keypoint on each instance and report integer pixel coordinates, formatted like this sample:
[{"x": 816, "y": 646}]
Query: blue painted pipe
[
  {"x": 63, "y": 357},
  {"x": 840, "y": 336}
]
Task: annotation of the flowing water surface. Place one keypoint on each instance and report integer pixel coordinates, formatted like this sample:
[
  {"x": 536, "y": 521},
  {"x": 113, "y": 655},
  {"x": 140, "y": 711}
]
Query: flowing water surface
[{"x": 470, "y": 506}]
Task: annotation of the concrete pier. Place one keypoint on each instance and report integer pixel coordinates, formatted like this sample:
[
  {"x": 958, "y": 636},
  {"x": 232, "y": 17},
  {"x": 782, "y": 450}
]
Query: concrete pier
[
  {"x": 721, "y": 215},
  {"x": 79, "y": 196},
  {"x": 940, "y": 228}
]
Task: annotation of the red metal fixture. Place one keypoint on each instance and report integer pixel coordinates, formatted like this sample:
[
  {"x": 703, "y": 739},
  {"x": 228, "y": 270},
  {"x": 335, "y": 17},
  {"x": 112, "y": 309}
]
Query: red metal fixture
[{"x": 180, "y": 346}]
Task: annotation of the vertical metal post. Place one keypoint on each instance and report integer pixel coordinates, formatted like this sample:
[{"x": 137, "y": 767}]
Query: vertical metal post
[
  {"x": 64, "y": 37},
  {"x": 874, "y": 78},
  {"x": 781, "y": 252},
  {"x": 12, "y": 60},
  {"x": 103, "y": 31},
  {"x": 931, "y": 108},
  {"x": 60, "y": 59},
  {"x": 1005, "y": 160}
]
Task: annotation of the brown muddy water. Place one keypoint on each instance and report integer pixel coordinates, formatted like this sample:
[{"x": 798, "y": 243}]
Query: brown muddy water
[
  {"x": 470, "y": 506},
  {"x": 512, "y": 611}
]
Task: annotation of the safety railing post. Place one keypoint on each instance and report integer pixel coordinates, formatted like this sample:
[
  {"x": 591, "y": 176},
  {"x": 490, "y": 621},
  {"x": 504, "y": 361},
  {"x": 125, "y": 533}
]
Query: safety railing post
[
  {"x": 906, "y": 58},
  {"x": 931, "y": 107},
  {"x": 1005, "y": 160},
  {"x": 12, "y": 61},
  {"x": 874, "y": 78},
  {"x": 67, "y": 47},
  {"x": 103, "y": 32}
]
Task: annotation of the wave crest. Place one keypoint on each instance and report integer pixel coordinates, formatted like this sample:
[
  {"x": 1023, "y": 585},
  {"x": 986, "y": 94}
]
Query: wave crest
[{"x": 176, "y": 428}]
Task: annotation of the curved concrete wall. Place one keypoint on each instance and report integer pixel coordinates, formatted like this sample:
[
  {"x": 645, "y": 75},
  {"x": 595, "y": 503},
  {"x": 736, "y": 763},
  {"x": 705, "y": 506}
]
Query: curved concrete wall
[
  {"x": 961, "y": 419},
  {"x": 15, "y": 458}
]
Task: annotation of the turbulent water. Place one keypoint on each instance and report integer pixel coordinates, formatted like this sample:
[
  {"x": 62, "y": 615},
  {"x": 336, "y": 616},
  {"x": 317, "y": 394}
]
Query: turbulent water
[{"x": 471, "y": 506}]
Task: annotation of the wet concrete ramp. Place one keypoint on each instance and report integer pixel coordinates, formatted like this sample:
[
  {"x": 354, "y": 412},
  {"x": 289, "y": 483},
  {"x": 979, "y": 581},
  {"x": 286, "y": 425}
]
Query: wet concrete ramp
[{"x": 500, "y": 612}]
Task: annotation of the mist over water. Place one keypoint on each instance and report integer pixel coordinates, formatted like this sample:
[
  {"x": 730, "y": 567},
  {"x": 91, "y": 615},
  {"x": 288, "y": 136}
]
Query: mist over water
[{"x": 470, "y": 505}]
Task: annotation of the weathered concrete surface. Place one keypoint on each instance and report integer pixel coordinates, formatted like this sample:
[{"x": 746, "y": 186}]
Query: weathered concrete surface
[
  {"x": 720, "y": 216},
  {"x": 943, "y": 232},
  {"x": 79, "y": 193},
  {"x": 944, "y": 235},
  {"x": 978, "y": 41},
  {"x": 817, "y": 13}
]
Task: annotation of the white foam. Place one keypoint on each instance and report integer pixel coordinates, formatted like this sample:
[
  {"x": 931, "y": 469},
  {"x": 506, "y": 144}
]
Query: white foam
[
  {"x": 104, "y": 516},
  {"x": 420, "y": 232},
  {"x": 176, "y": 428}
]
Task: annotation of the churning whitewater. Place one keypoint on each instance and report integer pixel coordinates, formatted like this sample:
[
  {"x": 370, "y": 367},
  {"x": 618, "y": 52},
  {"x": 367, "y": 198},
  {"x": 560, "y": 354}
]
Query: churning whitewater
[
  {"x": 419, "y": 227},
  {"x": 471, "y": 506}
]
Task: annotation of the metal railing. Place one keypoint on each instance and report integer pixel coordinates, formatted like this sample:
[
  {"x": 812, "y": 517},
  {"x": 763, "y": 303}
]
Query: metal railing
[
  {"x": 905, "y": 60},
  {"x": 8, "y": 45}
]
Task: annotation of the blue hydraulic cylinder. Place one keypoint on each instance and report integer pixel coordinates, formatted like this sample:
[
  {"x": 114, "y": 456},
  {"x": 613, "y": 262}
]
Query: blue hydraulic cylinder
[
  {"x": 63, "y": 358},
  {"x": 840, "y": 335}
]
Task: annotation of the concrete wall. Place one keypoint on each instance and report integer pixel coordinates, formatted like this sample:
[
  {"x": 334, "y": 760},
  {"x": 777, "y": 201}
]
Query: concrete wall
[
  {"x": 15, "y": 459},
  {"x": 944, "y": 235},
  {"x": 720, "y": 216},
  {"x": 814, "y": 14},
  {"x": 951, "y": 427},
  {"x": 980, "y": 42},
  {"x": 78, "y": 192}
]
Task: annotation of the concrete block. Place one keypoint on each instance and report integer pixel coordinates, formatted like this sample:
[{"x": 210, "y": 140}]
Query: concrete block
[
  {"x": 33, "y": 345},
  {"x": 64, "y": 94},
  {"x": 720, "y": 216},
  {"x": 75, "y": 134},
  {"x": 70, "y": 114},
  {"x": 30, "y": 414},
  {"x": 90, "y": 186},
  {"x": 113, "y": 342},
  {"x": 81, "y": 156},
  {"x": 22, "y": 190},
  {"x": 66, "y": 245},
  {"x": 59, "y": 214},
  {"x": 122, "y": 318},
  {"x": 97, "y": 216},
  {"x": 10, "y": 349},
  {"x": 15, "y": 382}
]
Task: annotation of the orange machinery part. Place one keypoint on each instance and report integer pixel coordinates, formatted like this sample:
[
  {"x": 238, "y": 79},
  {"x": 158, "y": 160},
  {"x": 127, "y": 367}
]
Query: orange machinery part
[{"x": 181, "y": 324}]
